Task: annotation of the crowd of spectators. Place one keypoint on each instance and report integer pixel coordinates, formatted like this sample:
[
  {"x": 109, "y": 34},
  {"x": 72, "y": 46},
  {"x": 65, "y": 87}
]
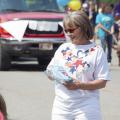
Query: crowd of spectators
[{"x": 105, "y": 19}]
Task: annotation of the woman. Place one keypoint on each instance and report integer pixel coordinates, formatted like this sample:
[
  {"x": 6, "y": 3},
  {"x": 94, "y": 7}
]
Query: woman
[
  {"x": 86, "y": 64},
  {"x": 105, "y": 21}
]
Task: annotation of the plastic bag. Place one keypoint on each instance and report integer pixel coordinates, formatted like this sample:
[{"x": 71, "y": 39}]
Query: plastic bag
[{"x": 59, "y": 74}]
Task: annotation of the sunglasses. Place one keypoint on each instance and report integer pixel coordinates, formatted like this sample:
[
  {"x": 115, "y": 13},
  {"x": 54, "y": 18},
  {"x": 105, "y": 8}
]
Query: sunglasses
[{"x": 70, "y": 30}]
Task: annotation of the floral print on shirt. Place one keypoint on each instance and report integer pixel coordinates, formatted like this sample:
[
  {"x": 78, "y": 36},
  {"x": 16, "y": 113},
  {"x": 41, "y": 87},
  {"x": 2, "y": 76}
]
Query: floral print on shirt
[{"x": 77, "y": 62}]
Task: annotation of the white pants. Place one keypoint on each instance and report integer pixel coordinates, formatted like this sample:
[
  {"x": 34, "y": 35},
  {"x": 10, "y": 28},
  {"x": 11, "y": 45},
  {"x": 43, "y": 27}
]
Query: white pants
[{"x": 84, "y": 109}]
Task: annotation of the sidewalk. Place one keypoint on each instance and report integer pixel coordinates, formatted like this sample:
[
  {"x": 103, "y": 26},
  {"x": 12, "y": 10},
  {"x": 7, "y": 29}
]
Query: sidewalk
[{"x": 110, "y": 96}]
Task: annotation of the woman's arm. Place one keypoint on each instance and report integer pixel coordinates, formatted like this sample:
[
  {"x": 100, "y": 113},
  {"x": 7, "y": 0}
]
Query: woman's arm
[
  {"x": 102, "y": 27},
  {"x": 92, "y": 85}
]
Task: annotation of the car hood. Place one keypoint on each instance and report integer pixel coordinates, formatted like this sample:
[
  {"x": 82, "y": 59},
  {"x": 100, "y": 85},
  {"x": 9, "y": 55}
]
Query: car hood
[
  {"x": 31, "y": 15},
  {"x": 23, "y": 21}
]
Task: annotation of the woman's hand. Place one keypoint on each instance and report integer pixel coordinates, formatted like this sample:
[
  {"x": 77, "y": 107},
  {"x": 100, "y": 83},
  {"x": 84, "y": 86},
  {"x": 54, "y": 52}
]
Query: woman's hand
[
  {"x": 72, "y": 86},
  {"x": 50, "y": 78}
]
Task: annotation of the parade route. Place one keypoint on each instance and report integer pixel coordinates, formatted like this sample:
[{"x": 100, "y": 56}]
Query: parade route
[{"x": 29, "y": 94}]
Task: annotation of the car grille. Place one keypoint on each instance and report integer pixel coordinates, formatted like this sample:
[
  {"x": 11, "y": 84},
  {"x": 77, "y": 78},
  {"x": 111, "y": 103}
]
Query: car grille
[{"x": 32, "y": 31}]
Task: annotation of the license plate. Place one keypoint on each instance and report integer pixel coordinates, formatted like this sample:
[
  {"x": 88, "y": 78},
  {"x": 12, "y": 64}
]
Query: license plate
[{"x": 45, "y": 46}]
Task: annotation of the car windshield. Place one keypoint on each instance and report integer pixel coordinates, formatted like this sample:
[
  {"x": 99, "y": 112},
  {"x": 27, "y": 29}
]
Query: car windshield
[{"x": 29, "y": 6}]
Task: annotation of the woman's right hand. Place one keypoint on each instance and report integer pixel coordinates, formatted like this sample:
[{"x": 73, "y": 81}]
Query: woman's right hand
[
  {"x": 72, "y": 86},
  {"x": 50, "y": 78}
]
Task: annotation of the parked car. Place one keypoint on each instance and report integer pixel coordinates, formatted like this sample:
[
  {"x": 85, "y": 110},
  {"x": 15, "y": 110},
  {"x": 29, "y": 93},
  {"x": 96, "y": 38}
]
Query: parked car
[{"x": 29, "y": 28}]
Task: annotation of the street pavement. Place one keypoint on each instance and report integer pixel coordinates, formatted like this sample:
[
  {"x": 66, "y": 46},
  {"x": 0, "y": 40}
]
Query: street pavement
[
  {"x": 110, "y": 96},
  {"x": 29, "y": 94}
]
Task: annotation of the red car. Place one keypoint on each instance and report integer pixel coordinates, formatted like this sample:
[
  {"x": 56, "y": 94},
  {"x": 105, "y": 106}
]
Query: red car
[{"x": 29, "y": 28}]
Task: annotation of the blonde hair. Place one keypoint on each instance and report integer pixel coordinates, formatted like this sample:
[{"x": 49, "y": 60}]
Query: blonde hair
[{"x": 81, "y": 20}]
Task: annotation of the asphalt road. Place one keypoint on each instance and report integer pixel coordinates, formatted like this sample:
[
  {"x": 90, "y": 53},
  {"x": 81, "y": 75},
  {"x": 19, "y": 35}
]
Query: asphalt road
[{"x": 29, "y": 94}]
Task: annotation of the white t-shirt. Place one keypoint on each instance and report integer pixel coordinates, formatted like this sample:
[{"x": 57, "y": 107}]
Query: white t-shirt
[{"x": 85, "y": 63}]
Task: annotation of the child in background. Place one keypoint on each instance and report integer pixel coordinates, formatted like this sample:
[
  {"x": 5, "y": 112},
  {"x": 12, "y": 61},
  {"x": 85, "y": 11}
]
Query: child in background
[{"x": 3, "y": 109}]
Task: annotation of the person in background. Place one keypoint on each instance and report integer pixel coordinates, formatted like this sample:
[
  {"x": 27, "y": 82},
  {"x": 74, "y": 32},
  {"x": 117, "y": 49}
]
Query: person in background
[
  {"x": 3, "y": 109},
  {"x": 85, "y": 63},
  {"x": 116, "y": 13},
  {"x": 116, "y": 8},
  {"x": 105, "y": 21},
  {"x": 116, "y": 36},
  {"x": 116, "y": 27},
  {"x": 92, "y": 13},
  {"x": 85, "y": 8}
]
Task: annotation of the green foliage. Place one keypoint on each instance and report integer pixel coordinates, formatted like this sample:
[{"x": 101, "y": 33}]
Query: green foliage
[
  {"x": 109, "y": 1},
  {"x": 29, "y": 2}
]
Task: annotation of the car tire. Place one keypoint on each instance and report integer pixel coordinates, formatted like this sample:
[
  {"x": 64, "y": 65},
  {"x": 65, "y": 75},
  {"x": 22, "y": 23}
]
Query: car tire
[
  {"x": 43, "y": 62},
  {"x": 5, "y": 61}
]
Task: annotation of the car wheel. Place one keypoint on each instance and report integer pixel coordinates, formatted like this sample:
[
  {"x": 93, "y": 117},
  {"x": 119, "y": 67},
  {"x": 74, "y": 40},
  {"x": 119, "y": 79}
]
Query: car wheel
[
  {"x": 5, "y": 61},
  {"x": 43, "y": 62}
]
